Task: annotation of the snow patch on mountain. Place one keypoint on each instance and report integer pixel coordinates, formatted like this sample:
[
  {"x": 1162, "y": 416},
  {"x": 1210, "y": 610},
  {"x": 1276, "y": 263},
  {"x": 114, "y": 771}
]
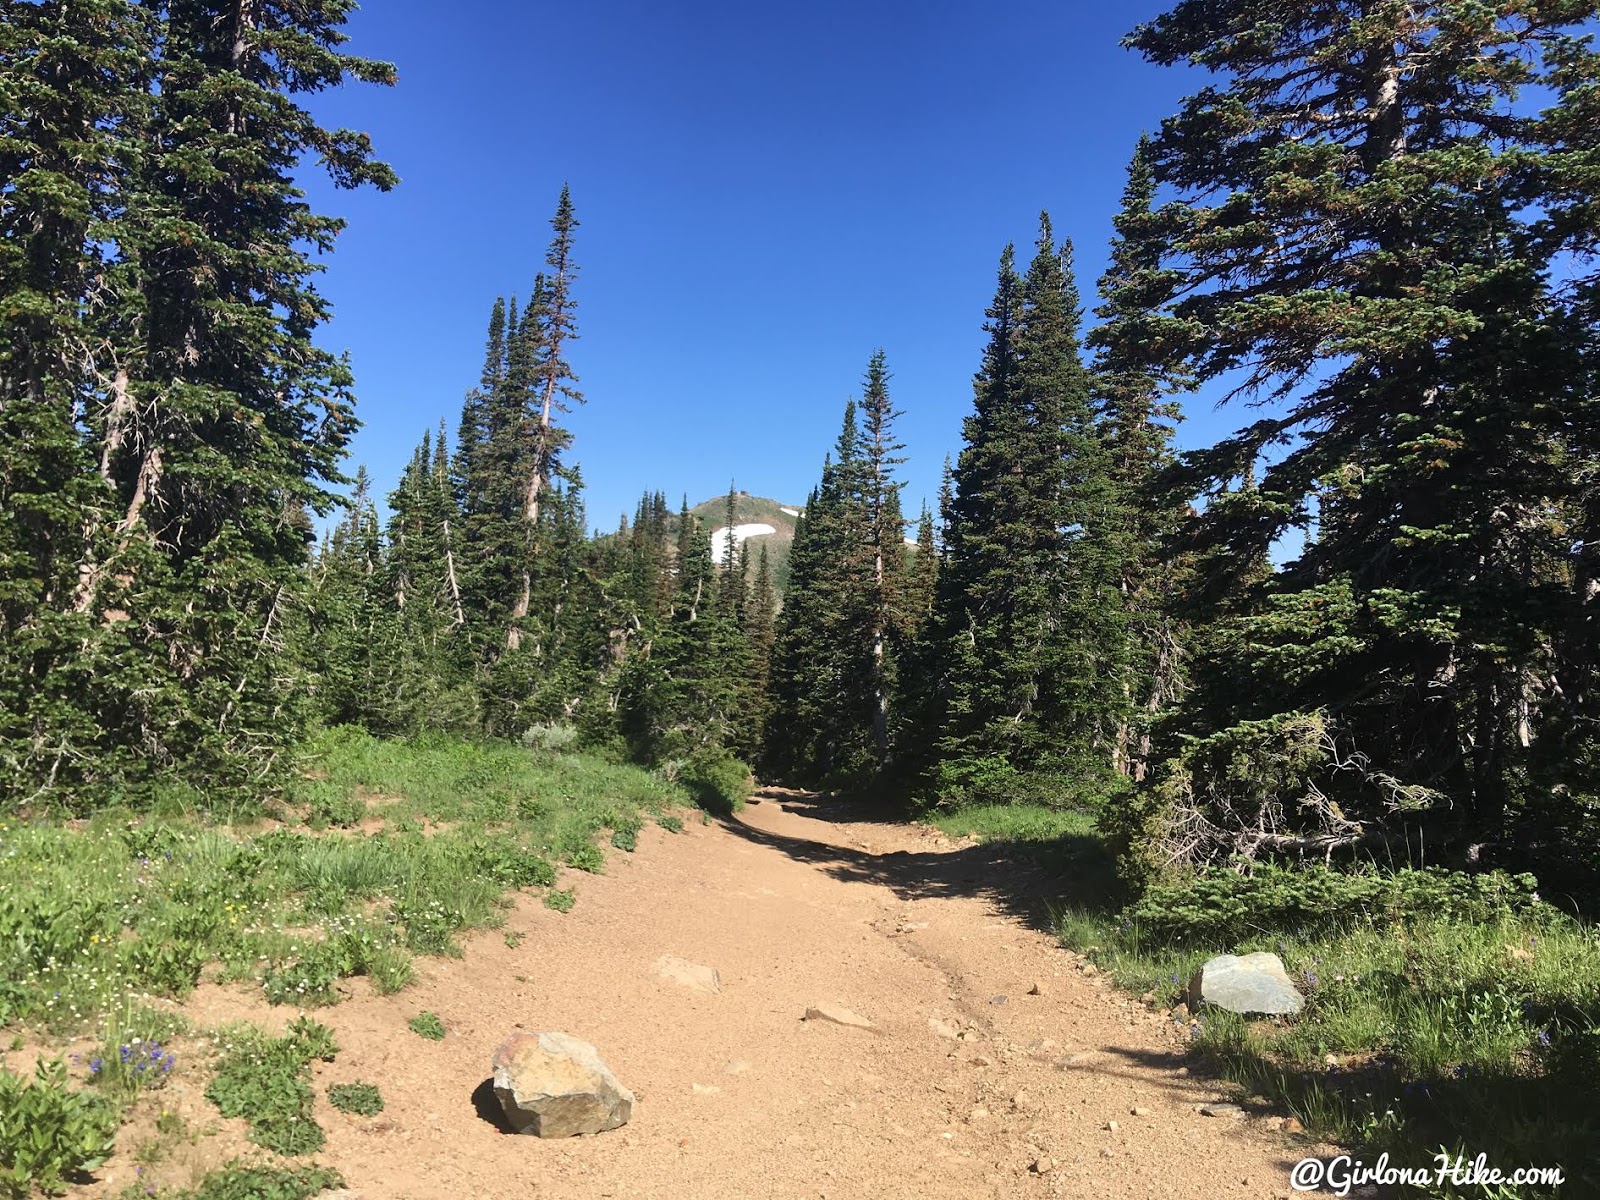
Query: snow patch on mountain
[{"x": 719, "y": 537}]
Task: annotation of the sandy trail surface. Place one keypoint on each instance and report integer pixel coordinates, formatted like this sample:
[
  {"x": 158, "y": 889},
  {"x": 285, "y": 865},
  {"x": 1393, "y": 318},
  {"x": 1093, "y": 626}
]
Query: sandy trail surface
[{"x": 966, "y": 1086}]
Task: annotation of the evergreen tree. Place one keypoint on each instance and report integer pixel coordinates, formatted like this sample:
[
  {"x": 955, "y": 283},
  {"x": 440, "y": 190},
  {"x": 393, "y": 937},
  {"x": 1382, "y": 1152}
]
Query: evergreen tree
[
  {"x": 823, "y": 710},
  {"x": 884, "y": 530},
  {"x": 760, "y": 631},
  {"x": 1137, "y": 417},
  {"x": 1024, "y": 619},
  {"x": 1358, "y": 237},
  {"x": 213, "y": 421}
]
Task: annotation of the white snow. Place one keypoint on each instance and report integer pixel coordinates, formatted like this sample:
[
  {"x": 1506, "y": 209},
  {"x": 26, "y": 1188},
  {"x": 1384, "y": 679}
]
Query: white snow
[
  {"x": 793, "y": 512},
  {"x": 719, "y": 537}
]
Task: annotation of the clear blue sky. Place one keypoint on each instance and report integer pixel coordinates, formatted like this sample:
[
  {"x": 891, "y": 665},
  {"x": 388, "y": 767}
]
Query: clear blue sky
[{"x": 767, "y": 194}]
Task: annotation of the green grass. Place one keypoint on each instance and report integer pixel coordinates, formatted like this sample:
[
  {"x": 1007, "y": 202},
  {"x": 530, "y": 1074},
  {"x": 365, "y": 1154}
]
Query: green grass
[
  {"x": 1447, "y": 1015},
  {"x": 97, "y": 915},
  {"x": 426, "y": 1024}
]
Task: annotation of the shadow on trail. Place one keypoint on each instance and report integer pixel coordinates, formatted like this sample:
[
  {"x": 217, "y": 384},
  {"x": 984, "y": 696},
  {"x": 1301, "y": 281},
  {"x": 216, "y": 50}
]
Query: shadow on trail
[{"x": 1027, "y": 880}]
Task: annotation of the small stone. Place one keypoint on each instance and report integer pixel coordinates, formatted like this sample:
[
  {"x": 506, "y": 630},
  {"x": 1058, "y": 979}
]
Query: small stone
[
  {"x": 838, "y": 1015},
  {"x": 982, "y": 1060},
  {"x": 978, "y": 1114},
  {"x": 706, "y": 1089},
  {"x": 1112, "y": 1126},
  {"x": 555, "y": 1085},
  {"x": 1043, "y": 1165},
  {"x": 1088, "y": 968},
  {"x": 1140, "y": 1111},
  {"x": 997, "y": 1000},
  {"x": 1221, "y": 1110},
  {"x": 1036, "y": 990},
  {"x": 943, "y": 1028},
  {"x": 1290, "y": 1125},
  {"x": 1148, "y": 998},
  {"x": 1330, "y": 1060},
  {"x": 737, "y": 1067},
  {"x": 691, "y": 975},
  {"x": 1021, "y": 1101}
]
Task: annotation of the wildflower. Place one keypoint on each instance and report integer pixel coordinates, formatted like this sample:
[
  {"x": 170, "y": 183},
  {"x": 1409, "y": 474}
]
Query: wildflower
[{"x": 1544, "y": 1037}]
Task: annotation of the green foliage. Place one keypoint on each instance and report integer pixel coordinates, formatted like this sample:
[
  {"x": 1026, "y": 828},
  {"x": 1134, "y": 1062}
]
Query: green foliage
[
  {"x": 161, "y": 456},
  {"x": 1009, "y": 821},
  {"x": 95, "y": 915},
  {"x": 1220, "y": 907},
  {"x": 49, "y": 1133},
  {"x": 560, "y": 900},
  {"x": 1026, "y": 630},
  {"x": 1401, "y": 536},
  {"x": 267, "y": 1082},
  {"x": 238, "y": 1182},
  {"x": 135, "y": 1051},
  {"x": 426, "y": 1024},
  {"x": 359, "y": 1099},
  {"x": 718, "y": 782}
]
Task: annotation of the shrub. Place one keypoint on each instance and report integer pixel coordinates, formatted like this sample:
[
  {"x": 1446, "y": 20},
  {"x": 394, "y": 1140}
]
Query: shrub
[
  {"x": 238, "y": 1182},
  {"x": 561, "y": 901},
  {"x": 267, "y": 1082},
  {"x": 717, "y": 781},
  {"x": 1220, "y": 906},
  {"x": 427, "y": 1024},
  {"x": 586, "y": 857},
  {"x": 550, "y": 739},
  {"x": 49, "y": 1133},
  {"x": 359, "y": 1099}
]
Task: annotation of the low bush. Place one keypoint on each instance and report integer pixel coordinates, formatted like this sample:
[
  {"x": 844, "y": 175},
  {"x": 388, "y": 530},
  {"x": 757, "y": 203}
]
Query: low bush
[
  {"x": 717, "y": 781},
  {"x": 427, "y": 1024},
  {"x": 359, "y": 1099},
  {"x": 267, "y": 1081},
  {"x": 49, "y": 1133},
  {"x": 239, "y": 1182},
  {"x": 1220, "y": 906}
]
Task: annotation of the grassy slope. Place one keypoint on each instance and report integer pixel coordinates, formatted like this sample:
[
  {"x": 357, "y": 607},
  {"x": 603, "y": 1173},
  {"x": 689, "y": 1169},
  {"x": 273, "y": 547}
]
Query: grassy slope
[
  {"x": 97, "y": 917},
  {"x": 1427, "y": 1034},
  {"x": 117, "y": 905}
]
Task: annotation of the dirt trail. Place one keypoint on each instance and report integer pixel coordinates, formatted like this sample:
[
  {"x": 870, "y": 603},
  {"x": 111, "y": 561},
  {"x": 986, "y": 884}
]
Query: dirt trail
[{"x": 737, "y": 1096}]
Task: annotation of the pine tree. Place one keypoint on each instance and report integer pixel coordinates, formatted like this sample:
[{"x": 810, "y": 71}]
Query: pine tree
[
  {"x": 884, "y": 530},
  {"x": 1137, "y": 418},
  {"x": 214, "y": 422},
  {"x": 823, "y": 699},
  {"x": 75, "y": 78},
  {"x": 760, "y": 631},
  {"x": 1379, "y": 271},
  {"x": 1022, "y": 618}
]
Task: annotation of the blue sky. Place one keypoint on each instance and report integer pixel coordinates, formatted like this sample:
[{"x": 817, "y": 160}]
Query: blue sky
[{"x": 767, "y": 193}]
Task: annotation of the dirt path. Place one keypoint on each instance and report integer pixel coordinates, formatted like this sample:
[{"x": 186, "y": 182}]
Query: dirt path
[{"x": 737, "y": 1096}]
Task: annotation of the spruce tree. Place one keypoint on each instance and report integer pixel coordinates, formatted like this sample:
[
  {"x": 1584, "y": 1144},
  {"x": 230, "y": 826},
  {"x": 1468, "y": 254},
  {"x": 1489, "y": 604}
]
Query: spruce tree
[
  {"x": 884, "y": 530},
  {"x": 1358, "y": 237},
  {"x": 1022, "y": 621},
  {"x": 823, "y": 710},
  {"x": 213, "y": 421},
  {"x": 1137, "y": 415}
]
